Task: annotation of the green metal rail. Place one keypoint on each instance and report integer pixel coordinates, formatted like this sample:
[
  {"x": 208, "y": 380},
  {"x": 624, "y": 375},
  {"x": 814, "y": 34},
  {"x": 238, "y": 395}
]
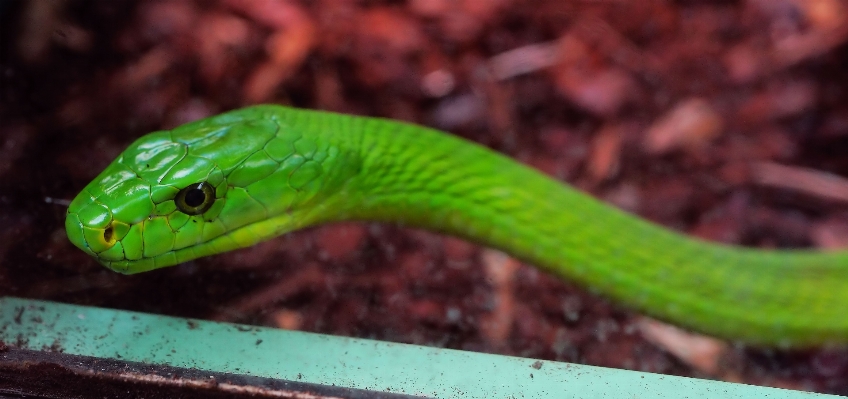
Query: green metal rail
[{"x": 319, "y": 360}]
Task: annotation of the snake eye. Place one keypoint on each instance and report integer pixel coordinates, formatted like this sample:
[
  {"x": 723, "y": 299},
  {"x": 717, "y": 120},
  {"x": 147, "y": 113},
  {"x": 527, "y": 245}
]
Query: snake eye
[{"x": 195, "y": 199}]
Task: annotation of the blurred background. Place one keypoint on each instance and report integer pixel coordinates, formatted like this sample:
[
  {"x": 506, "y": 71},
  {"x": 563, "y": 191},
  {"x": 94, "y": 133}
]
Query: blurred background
[{"x": 726, "y": 119}]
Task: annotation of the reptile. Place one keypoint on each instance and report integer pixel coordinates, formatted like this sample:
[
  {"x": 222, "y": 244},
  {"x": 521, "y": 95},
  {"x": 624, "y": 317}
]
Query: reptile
[{"x": 233, "y": 180}]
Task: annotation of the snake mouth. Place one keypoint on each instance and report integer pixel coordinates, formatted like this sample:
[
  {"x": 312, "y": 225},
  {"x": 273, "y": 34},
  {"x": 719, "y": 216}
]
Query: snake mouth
[
  {"x": 242, "y": 237},
  {"x": 92, "y": 240}
]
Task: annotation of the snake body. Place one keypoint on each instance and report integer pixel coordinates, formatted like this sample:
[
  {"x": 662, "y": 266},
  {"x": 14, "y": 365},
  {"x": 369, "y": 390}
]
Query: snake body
[{"x": 246, "y": 176}]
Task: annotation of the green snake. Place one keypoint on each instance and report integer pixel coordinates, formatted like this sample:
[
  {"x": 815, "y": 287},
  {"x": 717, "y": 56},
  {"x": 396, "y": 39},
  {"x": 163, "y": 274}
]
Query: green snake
[{"x": 245, "y": 176}]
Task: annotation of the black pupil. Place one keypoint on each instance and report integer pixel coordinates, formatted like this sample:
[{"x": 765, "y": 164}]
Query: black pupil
[{"x": 195, "y": 197}]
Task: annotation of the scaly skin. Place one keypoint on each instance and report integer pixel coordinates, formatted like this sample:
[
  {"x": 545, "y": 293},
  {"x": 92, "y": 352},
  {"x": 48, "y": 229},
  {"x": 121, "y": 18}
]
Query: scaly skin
[{"x": 275, "y": 169}]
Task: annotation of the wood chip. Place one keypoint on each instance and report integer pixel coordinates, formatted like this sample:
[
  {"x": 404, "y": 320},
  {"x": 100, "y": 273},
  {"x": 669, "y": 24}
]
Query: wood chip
[
  {"x": 701, "y": 352},
  {"x": 808, "y": 181},
  {"x": 691, "y": 123},
  {"x": 604, "y": 161},
  {"x": 500, "y": 270}
]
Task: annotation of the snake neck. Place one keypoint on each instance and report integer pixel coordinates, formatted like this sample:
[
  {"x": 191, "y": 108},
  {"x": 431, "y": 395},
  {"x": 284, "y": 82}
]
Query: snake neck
[{"x": 424, "y": 178}]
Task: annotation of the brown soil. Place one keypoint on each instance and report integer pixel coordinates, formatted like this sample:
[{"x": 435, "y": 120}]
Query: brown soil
[{"x": 722, "y": 119}]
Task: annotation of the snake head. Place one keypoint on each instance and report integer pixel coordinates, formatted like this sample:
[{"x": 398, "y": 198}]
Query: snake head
[{"x": 206, "y": 187}]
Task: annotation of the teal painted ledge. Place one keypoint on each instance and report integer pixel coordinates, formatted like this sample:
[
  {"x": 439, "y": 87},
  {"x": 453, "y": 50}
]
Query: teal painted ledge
[{"x": 334, "y": 361}]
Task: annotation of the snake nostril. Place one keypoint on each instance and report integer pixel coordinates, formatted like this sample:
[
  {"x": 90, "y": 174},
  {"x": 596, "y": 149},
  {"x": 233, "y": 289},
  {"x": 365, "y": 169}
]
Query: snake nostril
[{"x": 107, "y": 234}]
